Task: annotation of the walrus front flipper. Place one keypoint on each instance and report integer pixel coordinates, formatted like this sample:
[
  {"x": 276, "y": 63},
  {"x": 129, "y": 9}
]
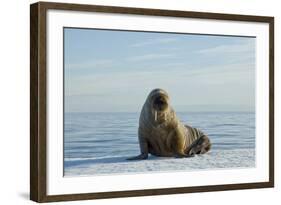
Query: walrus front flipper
[
  {"x": 139, "y": 157},
  {"x": 199, "y": 146}
]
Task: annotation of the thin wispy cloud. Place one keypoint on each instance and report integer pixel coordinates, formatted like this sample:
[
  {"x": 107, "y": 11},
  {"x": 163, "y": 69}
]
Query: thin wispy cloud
[
  {"x": 209, "y": 75},
  {"x": 173, "y": 65},
  {"x": 232, "y": 48},
  {"x": 90, "y": 64},
  {"x": 152, "y": 56},
  {"x": 153, "y": 42}
]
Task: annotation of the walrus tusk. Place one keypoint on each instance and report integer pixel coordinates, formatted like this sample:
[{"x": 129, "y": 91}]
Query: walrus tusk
[
  {"x": 165, "y": 117},
  {"x": 155, "y": 115}
]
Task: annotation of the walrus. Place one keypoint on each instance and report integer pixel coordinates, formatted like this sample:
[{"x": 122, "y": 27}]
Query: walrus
[{"x": 162, "y": 134}]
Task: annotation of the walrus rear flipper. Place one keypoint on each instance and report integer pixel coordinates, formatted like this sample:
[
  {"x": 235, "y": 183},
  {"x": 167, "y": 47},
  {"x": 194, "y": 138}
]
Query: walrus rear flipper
[
  {"x": 139, "y": 157},
  {"x": 199, "y": 146}
]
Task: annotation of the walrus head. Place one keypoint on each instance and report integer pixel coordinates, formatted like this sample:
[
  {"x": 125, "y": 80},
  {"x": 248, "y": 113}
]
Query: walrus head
[{"x": 159, "y": 101}]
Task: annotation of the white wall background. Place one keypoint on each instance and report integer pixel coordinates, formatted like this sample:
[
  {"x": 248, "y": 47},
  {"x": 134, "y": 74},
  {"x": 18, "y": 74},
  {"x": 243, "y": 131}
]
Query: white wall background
[{"x": 14, "y": 101}]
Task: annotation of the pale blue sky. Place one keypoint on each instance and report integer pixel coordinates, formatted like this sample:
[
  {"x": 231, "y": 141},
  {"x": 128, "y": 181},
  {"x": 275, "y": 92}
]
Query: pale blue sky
[{"x": 113, "y": 71}]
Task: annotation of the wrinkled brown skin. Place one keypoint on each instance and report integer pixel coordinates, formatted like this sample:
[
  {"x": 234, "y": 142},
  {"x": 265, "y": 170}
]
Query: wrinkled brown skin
[{"x": 166, "y": 136}]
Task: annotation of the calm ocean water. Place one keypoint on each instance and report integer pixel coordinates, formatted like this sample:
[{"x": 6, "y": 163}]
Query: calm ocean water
[{"x": 95, "y": 135}]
